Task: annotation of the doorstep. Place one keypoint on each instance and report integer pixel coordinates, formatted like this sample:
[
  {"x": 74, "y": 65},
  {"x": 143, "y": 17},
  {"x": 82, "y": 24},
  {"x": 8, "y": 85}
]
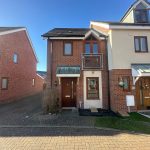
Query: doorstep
[{"x": 123, "y": 114}]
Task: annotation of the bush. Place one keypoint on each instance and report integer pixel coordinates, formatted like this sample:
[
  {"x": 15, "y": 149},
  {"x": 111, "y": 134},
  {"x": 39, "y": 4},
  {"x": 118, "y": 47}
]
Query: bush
[{"x": 50, "y": 100}]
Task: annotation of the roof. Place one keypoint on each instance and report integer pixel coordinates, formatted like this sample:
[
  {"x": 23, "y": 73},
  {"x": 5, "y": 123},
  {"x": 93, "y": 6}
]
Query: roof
[
  {"x": 131, "y": 7},
  {"x": 68, "y": 70},
  {"x": 143, "y": 68},
  {"x": 9, "y": 30},
  {"x": 69, "y": 32},
  {"x": 42, "y": 73},
  {"x": 4, "y": 29},
  {"x": 123, "y": 24}
]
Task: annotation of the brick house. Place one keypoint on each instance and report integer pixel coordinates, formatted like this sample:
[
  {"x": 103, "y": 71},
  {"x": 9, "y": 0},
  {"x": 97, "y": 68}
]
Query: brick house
[
  {"x": 18, "y": 62},
  {"x": 104, "y": 66}
]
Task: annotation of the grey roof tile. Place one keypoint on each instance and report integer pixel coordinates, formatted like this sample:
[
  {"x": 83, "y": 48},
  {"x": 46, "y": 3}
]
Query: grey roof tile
[
  {"x": 3, "y": 29},
  {"x": 68, "y": 32}
]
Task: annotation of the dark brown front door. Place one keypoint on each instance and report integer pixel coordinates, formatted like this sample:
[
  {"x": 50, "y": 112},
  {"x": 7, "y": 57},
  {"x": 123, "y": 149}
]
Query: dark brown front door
[
  {"x": 143, "y": 93},
  {"x": 68, "y": 92}
]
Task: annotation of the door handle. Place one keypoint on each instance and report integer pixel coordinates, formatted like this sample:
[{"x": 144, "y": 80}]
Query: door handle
[
  {"x": 67, "y": 96},
  {"x": 72, "y": 89}
]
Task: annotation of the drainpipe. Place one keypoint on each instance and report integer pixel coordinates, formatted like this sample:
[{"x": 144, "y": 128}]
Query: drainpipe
[
  {"x": 51, "y": 62},
  {"x": 109, "y": 104}
]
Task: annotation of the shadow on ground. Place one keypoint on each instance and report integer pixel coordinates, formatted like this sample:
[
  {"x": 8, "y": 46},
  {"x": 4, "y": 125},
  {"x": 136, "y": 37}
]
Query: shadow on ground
[{"x": 27, "y": 113}]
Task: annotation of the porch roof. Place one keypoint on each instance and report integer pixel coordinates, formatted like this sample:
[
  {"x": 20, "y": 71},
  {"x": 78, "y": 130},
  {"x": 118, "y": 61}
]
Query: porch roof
[
  {"x": 140, "y": 70},
  {"x": 68, "y": 71}
]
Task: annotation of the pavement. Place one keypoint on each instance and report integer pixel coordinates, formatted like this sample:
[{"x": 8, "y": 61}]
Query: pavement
[{"x": 24, "y": 127}]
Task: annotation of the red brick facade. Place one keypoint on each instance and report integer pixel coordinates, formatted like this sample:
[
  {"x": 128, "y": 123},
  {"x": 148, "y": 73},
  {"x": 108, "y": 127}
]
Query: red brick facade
[
  {"x": 117, "y": 95},
  {"x": 19, "y": 75},
  {"x": 55, "y": 54}
]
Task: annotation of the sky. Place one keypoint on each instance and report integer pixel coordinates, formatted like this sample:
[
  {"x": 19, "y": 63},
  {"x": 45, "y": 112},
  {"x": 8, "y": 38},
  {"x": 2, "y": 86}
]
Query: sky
[{"x": 40, "y": 16}]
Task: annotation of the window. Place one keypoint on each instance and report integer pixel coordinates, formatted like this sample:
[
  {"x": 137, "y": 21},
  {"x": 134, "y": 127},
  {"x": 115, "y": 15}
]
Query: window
[
  {"x": 140, "y": 44},
  {"x": 4, "y": 83},
  {"x": 33, "y": 82},
  {"x": 95, "y": 48},
  {"x": 92, "y": 88},
  {"x": 15, "y": 58},
  {"x": 91, "y": 47},
  {"x": 141, "y": 16},
  {"x": 126, "y": 83},
  {"x": 87, "y": 48},
  {"x": 68, "y": 48}
]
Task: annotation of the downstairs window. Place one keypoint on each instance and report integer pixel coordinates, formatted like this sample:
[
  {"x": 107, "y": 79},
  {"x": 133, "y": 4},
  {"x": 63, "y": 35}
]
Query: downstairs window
[{"x": 92, "y": 87}]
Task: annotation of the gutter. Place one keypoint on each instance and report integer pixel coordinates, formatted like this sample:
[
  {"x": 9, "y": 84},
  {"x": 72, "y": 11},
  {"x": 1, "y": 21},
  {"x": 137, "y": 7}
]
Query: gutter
[
  {"x": 51, "y": 65},
  {"x": 109, "y": 104}
]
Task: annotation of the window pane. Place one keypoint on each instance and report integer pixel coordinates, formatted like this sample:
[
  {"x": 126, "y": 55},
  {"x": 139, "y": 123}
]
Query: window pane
[
  {"x": 137, "y": 44},
  {"x": 95, "y": 48},
  {"x": 143, "y": 44},
  {"x": 68, "y": 48},
  {"x": 4, "y": 83},
  {"x": 92, "y": 88},
  {"x": 126, "y": 83},
  {"x": 87, "y": 48},
  {"x": 144, "y": 16},
  {"x": 15, "y": 59},
  {"x": 141, "y": 16}
]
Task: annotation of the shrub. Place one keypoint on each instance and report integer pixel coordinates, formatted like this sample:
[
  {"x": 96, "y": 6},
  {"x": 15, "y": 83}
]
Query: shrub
[{"x": 50, "y": 100}]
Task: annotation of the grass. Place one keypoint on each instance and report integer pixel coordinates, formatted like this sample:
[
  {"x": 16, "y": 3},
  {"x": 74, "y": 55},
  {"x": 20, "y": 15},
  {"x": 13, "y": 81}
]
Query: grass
[{"x": 135, "y": 122}]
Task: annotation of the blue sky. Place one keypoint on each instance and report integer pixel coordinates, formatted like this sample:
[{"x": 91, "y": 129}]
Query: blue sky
[{"x": 39, "y": 16}]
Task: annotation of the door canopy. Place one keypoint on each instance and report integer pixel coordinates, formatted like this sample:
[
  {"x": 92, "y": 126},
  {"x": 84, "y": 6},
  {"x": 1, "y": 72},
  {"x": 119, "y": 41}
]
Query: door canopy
[{"x": 140, "y": 70}]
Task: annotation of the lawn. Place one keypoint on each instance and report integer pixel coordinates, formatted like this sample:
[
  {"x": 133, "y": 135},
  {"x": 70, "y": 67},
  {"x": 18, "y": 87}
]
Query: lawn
[{"x": 135, "y": 122}]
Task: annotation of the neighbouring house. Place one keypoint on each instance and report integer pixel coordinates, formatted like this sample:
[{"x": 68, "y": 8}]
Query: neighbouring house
[
  {"x": 129, "y": 56},
  {"x": 42, "y": 74},
  {"x": 18, "y": 77},
  {"x": 104, "y": 66}
]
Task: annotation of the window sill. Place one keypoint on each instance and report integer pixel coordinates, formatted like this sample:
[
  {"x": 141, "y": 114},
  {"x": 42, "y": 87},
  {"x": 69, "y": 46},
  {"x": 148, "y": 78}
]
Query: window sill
[
  {"x": 142, "y": 52},
  {"x": 93, "y": 99}
]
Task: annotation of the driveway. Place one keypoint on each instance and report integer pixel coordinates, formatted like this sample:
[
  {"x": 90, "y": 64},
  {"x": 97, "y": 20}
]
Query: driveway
[
  {"x": 28, "y": 112},
  {"x": 23, "y": 126}
]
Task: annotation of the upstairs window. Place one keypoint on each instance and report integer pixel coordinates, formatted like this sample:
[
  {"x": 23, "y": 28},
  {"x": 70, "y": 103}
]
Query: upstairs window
[
  {"x": 95, "y": 48},
  {"x": 141, "y": 16},
  {"x": 4, "y": 83},
  {"x": 68, "y": 49},
  {"x": 91, "y": 47},
  {"x": 140, "y": 44},
  {"x": 15, "y": 58},
  {"x": 87, "y": 48}
]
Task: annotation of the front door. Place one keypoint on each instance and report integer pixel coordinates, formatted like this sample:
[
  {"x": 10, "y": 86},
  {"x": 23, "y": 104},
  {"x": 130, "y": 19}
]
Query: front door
[
  {"x": 143, "y": 93},
  {"x": 68, "y": 92}
]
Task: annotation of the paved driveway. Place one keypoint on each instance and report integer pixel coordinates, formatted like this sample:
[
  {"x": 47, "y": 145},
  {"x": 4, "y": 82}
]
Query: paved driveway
[
  {"x": 19, "y": 129},
  {"x": 28, "y": 112}
]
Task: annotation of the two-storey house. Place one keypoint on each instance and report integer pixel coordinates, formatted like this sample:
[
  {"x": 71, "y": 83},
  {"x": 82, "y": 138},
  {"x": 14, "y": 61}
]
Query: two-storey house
[
  {"x": 104, "y": 66},
  {"x": 18, "y": 77},
  {"x": 77, "y": 66},
  {"x": 129, "y": 56}
]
